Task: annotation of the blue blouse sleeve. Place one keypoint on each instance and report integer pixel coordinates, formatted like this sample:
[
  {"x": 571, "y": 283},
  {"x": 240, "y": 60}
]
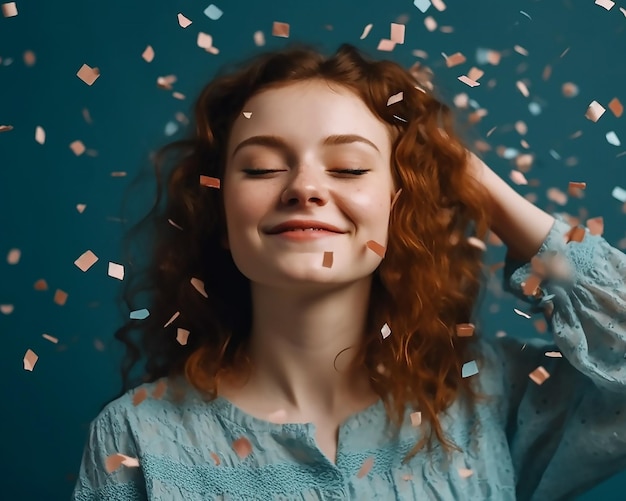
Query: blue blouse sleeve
[
  {"x": 568, "y": 433},
  {"x": 108, "y": 436}
]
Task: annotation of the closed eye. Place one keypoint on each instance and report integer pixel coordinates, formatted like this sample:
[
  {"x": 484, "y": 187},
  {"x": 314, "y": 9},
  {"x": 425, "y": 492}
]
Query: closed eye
[
  {"x": 261, "y": 172},
  {"x": 356, "y": 172}
]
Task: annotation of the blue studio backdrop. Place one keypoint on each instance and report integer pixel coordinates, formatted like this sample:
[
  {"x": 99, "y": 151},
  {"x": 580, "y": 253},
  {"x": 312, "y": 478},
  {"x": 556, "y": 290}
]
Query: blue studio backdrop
[{"x": 72, "y": 153}]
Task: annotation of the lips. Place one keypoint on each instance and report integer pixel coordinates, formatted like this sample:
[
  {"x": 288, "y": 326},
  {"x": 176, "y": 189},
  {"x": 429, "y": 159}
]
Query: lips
[{"x": 303, "y": 225}]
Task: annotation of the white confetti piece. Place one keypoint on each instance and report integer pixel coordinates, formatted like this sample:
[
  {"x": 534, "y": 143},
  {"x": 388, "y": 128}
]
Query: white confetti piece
[
  {"x": 259, "y": 38},
  {"x": 30, "y": 359},
  {"x": 469, "y": 369},
  {"x": 612, "y": 138},
  {"x": 619, "y": 194},
  {"x": 366, "y": 31},
  {"x": 521, "y": 86},
  {"x": 140, "y": 314},
  {"x": 595, "y": 111},
  {"x": 385, "y": 331},
  {"x": 183, "y": 21},
  {"x": 521, "y": 313},
  {"x": 14, "y": 255},
  {"x": 468, "y": 81},
  {"x": 607, "y": 4},
  {"x": 86, "y": 260},
  {"x": 416, "y": 418},
  {"x": 116, "y": 270},
  {"x": 213, "y": 12},
  {"x": 422, "y": 5},
  {"x": 7, "y": 309},
  {"x": 554, "y": 354},
  {"x": 396, "y": 98},
  {"x": 476, "y": 242},
  {"x": 520, "y": 50},
  {"x": 40, "y": 134},
  {"x": 386, "y": 45}
]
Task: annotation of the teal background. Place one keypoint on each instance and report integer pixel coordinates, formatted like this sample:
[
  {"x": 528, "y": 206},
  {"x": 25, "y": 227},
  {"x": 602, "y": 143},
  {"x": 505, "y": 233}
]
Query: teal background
[{"x": 46, "y": 412}]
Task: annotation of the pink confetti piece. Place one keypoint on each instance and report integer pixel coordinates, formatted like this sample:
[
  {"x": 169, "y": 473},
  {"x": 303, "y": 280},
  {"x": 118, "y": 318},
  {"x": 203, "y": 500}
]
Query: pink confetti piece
[
  {"x": 539, "y": 375},
  {"x": 199, "y": 286},
  {"x": 182, "y": 335},
  {"x": 596, "y": 225},
  {"x": 385, "y": 331},
  {"x": 148, "y": 54},
  {"x": 40, "y": 134},
  {"x": 259, "y": 38},
  {"x": 183, "y": 21},
  {"x": 7, "y": 309},
  {"x": 30, "y": 359},
  {"x": 416, "y": 419},
  {"x": 518, "y": 178},
  {"x": 60, "y": 297},
  {"x": 455, "y": 59},
  {"x": 475, "y": 242},
  {"x": 81, "y": 208},
  {"x": 160, "y": 389},
  {"x": 204, "y": 40},
  {"x": 86, "y": 260},
  {"x": 594, "y": 111},
  {"x": 280, "y": 29},
  {"x": 88, "y": 74},
  {"x": 40, "y": 285},
  {"x": 327, "y": 261},
  {"x": 114, "y": 461},
  {"x": 14, "y": 255},
  {"x": 520, "y": 50},
  {"x": 616, "y": 107},
  {"x": 9, "y": 9},
  {"x": 50, "y": 338},
  {"x": 607, "y": 4},
  {"x": 430, "y": 23},
  {"x": 554, "y": 354},
  {"x": 174, "y": 317},
  {"x": 166, "y": 82},
  {"x": 376, "y": 247},
  {"x": 569, "y": 89},
  {"x": 465, "y": 330},
  {"x": 6, "y": 128},
  {"x": 557, "y": 196},
  {"x": 386, "y": 45},
  {"x": 210, "y": 182},
  {"x": 468, "y": 81},
  {"x": 475, "y": 74},
  {"x": 366, "y": 467},
  {"x": 178, "y": 95},
  {"x": 366, "y": 31},
  {"x": 242, "y": 447},
  {"x": 116, "y": 270},
  {"x": 397, "y": 33},
  {"x": 439, "y": 5},
  {"x": 29, "y": 58},
  {"x": 465, "y": 473},
  {"x": 139, "y": 396},
  {"x": 521, "y": 86},
  {"x": 396, "y": 98},
  {"x": 77, "y": 147}
]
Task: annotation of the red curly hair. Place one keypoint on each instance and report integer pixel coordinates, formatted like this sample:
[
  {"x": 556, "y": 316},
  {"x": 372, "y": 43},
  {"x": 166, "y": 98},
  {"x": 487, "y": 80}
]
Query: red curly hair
[{"x": 428, "y": 283}]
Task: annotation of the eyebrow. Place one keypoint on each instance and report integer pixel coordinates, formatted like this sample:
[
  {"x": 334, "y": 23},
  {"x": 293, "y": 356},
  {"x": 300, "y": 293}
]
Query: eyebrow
[{"x": 279, "y": 143}]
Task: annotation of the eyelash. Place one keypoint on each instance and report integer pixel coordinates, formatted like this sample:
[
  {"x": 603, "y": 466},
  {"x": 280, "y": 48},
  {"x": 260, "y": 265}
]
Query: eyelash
[{"x": 260, "y": 172}]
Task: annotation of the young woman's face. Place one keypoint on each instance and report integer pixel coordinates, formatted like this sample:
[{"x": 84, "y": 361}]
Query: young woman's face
[{"x": 291, "y": 160}]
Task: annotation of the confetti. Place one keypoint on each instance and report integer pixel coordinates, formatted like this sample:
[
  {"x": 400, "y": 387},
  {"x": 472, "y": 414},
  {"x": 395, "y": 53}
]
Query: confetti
[
  {"x": 416, "y": 419},
  {"x": 199, "y": 286},
  {"x": 531, "y": 285},
  {"x": 396, "y": 98},
  {"x": 60, "y": 297},
  {"x": 87, "y": 74},
  {"x": 569, "y": 89},
  {"x": 182, "y": 335},
  {"x": 469, "y": 369},
  {"x": 366, "y": 31},
  {"x": 386, "y": 45},
  {"x": 242, "y": 447},
  {"x": 521, "y": 313},
  {"x": 439, "y": 5},
  {"x": 554, "y": 354},
  {"x": 29, "y": 58},
  {"x": 525, "y": 14},
  {"x": 30, "y": 359},
  {"x": 465, "y": 330},
  {"x": 7, "y": 309},
  {"x": 81, "y": 208},
  {"x": 612, "y": 138},
  {"x": 77, "y": 147},
  {"x": 86, "y": 260},
  {"x": 455, "y": 59},
  {"x": 475, "y": 242},
  {"x": 209, "y": 182},
  {"x": 13, "y": 257},
  {"x": 430, "y": 23},
  {"x": 213, "y": 12},
  {"x": 557, "y": 196},
  {"x": 468, "y": 81},
  {"x": 160, "y": 389},
  {"x": 465, "y": 473},
  {"x": 40, "y": 135},
  {"x": 116, "y": 270},
  {"x": 139, "y": 314},
  {"x": 422, "y": 5},
  {"x": 183, "y": 21},
  {"x": 139, "y": 396},
  {"x": 6, "y": 128},
  {"x": 475, "y": 74},
  {"x": 114, "y": 461},
  {"x": 594, "y": 111},
  {"x": 518, "y": 178},
  {"x": 175, "y": 225},
  {"x": 247, "y": 114},
  {"x": 616, "y": 107},
  {"x": 539, "y": 375},
  {"x": 385, "y": 331},
  {"x": 178, "y": 95},
  {"x": 367, "y": 465},
  {"x": 259, "y": 38},
  {"x": 148, "y": 54},
  {"x": 327, "y": 262},
  {"x": 40, "y": 285},
  {"x": 174, "y": 317},
  {"x": 397, "y": 33},
  {"x": 619, "y": 194},
  {"x": 521, "y": 86},
  {"x": 376, "y": 247},
  {"x": 280, "y": 30},
  {"x": 607, "y": 4},
  {"x": 50, "y": 338},
  {"x": 204, "y": 41},
  {"x": 596, "y": 225},
  {"x": 9, "y": 9},
  {"x": 520, "y": 50}
]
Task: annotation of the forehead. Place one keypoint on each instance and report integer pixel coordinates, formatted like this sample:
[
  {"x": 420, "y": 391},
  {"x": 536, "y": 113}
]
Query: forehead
[{"x": 306, "y": 112}]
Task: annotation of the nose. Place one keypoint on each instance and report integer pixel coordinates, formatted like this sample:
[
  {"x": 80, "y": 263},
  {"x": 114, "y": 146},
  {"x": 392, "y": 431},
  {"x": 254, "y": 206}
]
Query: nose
[{"x": 305, "y": 186}]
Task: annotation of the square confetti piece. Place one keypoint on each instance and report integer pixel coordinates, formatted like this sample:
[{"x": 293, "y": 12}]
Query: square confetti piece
[
  {"x": 616, "y": 107},
  {"x": 87, "y": 74},
  {"x": 78, "y": 148},
  {"x": 397, "y": 33},
  {"x": 60, "y": 297},
  {"x": 116, "y": 271},
  {"x": 470, "y": 369},
  {"x": 30, "y": 359},
  {"x": 213, "y": 12},
  {"x": 9, "y": 9},
  {"x": 280, "y": 30},
  {"x": 86, "y": 260},
  {"x": 594, "y": 111},
  {"x": 422, "y": 5}
]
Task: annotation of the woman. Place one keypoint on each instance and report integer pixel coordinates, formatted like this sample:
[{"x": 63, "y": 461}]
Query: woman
[{"x": 316, "y": 268}]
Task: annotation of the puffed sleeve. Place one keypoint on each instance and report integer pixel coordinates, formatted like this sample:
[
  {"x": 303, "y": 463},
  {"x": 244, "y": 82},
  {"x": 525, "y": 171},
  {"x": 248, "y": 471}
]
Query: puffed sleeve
[
  {"x": 568, "y": 433},
  {"x": 109, "y": 436}
]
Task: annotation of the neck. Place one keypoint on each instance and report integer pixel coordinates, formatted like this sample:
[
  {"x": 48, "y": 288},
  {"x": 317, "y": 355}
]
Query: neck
[{"x": 303, "y": 344}]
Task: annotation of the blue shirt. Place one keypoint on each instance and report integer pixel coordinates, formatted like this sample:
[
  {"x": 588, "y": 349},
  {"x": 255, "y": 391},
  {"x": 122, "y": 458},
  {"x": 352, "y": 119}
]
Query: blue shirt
[{"x": 531, "y": 441}]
